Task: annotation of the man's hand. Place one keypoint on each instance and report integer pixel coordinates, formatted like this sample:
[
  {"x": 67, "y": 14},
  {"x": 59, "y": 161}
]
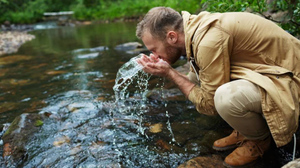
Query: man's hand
[
  {"x": 159, "y": 67},
  {"x": 154, "y": 65}
]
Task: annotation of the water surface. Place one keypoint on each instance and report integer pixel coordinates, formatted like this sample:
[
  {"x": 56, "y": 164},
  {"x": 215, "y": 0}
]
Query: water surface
[{"x": 57, "y": 60}]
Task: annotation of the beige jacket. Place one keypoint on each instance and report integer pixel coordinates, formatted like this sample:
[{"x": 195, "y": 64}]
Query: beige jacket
[{"x": 233, "y": 46}]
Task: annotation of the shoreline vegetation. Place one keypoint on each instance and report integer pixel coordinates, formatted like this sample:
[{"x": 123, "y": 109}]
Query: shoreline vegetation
[
  {"x": 18, "y": 17},
  {"x": 285, "y": 13}
]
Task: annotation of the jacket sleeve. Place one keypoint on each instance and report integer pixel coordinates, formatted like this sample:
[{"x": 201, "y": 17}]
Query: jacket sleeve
[{"x": 212, "y": 56}]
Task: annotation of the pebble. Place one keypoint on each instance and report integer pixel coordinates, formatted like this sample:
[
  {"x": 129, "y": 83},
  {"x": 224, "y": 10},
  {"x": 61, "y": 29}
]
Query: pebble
[{"x": 11, "y": 41}]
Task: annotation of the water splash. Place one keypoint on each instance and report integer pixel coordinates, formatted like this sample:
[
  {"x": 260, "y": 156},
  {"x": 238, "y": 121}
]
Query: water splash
[
  {"x": 129, "y": 74},
  {"x": 131, "y": 87},
  {"x": 132, "y": 74}
]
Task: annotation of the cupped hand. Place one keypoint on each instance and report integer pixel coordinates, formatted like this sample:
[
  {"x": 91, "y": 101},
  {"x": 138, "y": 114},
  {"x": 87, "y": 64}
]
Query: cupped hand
[{"x": 154, "y": 65}]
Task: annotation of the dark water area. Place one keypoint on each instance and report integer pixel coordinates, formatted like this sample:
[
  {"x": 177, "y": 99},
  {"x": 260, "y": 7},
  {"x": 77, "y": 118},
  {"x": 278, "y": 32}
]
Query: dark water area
[{"x": 67, "y": 74}]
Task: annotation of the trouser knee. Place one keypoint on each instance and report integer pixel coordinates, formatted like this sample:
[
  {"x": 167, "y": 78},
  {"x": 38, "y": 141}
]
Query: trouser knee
[
  {"x": 239, "y": 104},
  {"x": 223, "y": 102},
  {"x": 236, "y": 98}
]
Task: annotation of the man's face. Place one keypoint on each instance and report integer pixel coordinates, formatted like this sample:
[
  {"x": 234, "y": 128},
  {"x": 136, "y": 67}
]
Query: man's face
[{"x": 161, "y": 49}]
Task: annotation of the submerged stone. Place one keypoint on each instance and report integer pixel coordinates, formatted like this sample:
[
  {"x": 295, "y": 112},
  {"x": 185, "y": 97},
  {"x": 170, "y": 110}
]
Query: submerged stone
[
  {"x": 214, "y": 161},
  {"x": 163, "y": 145},
  {"x": 156, "y": 128},
  {"x": 11, "y": 59},
  {"x": 18, "y": 135},
  {"x": 61, "y": 140},
  {"x": 55, "y": 72}
]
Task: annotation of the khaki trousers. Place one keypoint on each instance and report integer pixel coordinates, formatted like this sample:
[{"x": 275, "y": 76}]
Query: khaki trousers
[{"x": 239, "y": 104}]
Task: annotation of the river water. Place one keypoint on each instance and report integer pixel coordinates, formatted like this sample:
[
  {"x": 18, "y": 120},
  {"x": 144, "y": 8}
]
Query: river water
[{"x": 68, "y": 74}]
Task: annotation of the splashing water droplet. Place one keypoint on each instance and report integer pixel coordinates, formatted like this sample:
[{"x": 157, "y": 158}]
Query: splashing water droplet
[{"x": 129, "y": 73}]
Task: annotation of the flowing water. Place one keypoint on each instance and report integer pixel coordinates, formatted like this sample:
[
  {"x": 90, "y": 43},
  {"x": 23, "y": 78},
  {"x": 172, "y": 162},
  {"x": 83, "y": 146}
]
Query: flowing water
[{"x": 99, "y": 108}]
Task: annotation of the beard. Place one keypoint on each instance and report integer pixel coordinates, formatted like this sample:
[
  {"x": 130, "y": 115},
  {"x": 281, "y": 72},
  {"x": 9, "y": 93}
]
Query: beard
[{"x": 173, "y": 53}]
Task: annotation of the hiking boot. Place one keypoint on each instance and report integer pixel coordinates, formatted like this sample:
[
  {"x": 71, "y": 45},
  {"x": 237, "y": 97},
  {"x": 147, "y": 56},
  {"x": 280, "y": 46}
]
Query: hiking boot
[
  {"x": 229, "y": 142},
  {"x": 247, "y": 154}
]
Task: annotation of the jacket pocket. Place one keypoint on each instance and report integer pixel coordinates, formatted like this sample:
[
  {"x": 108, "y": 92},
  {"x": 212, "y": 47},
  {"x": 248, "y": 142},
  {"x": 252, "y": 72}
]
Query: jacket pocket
[{"x": 273, "y": 70}]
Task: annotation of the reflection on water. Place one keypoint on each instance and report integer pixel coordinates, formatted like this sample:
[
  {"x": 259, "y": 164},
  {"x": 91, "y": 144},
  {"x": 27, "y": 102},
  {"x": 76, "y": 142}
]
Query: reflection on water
[{"x": 58, "y": 60}]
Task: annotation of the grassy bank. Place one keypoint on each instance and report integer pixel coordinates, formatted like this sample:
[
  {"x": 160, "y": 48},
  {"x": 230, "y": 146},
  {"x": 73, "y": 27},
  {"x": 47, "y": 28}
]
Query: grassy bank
[
  {"x": 131, "y": 8},
  {"x": 30, "y": 11}
]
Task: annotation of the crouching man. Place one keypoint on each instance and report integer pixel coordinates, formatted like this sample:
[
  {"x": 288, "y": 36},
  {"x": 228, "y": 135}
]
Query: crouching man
[{"x": 243, "y": 67}]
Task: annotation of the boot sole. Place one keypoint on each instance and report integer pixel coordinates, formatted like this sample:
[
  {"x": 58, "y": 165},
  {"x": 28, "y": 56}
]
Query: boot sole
[{"x": 224, "y": 148}]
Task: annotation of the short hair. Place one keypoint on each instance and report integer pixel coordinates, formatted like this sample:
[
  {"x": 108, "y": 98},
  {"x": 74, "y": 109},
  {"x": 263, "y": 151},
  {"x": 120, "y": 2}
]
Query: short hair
[{"x": 158, "y": 21}]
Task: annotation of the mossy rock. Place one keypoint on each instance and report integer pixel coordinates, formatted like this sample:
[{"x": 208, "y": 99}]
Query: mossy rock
[{"x": 20, "y": 132}]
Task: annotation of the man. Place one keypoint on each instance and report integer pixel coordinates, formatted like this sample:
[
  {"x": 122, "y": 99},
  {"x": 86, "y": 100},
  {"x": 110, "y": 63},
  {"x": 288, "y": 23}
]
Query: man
[{"x": 243, "y": 67}]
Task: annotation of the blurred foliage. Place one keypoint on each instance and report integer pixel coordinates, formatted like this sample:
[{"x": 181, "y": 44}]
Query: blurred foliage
[
  {"x": 288, "y": 19},
  {"x": 100, "y": 9},
  {"x": 30, "y": 11}
]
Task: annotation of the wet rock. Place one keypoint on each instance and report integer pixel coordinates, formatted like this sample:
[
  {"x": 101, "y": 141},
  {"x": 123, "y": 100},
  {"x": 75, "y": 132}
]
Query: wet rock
[
  {"x": 86, "y": 50},
  {"x": 137, "y": 51},
  {"x": 163, "y": 145},
  {"x": 7, "y": 26},
  {"x": 165, "y": 94},
  {"x": 128, "y": 46},
  {"x": 61, "y": 140},
  {"x": 156, "y": 128},
  {"x": 19, "y": 133},
  {"x": 10, "y": 41},
  {"x": 293, "y": 164},
  {"x": 7, "y": 149},
  {"x": 197, "y": 146},
  {"x": 185, "y": 131},
  {"x": 88, "y": 56},
  {"x": 209, "y": 122},
  {"x": 213, "y": 161},
  {"x": 131, "y": 48},
  {"x": 75, "y": 150}
]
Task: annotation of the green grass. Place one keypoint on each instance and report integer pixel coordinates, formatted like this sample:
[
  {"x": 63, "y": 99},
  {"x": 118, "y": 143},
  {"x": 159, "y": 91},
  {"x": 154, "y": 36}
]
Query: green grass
[{"x": 31, "y": 11}]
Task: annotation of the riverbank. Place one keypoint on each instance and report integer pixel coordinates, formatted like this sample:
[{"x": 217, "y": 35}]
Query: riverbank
[{"x": 11, "y": 41}]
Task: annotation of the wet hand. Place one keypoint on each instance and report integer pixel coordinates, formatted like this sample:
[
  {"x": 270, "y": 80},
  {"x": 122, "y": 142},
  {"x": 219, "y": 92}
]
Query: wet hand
[{"x": 154, "y": 65}]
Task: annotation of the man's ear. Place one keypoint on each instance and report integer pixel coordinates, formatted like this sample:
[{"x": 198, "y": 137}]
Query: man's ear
[{"x": 172, "y": 37}]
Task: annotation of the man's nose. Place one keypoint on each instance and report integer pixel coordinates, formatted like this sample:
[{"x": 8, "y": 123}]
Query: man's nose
[{"x": 154, "y": 56}]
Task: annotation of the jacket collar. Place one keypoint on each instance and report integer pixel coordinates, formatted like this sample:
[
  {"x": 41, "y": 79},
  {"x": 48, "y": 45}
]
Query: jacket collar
[{"x": 195, "y": 23}]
